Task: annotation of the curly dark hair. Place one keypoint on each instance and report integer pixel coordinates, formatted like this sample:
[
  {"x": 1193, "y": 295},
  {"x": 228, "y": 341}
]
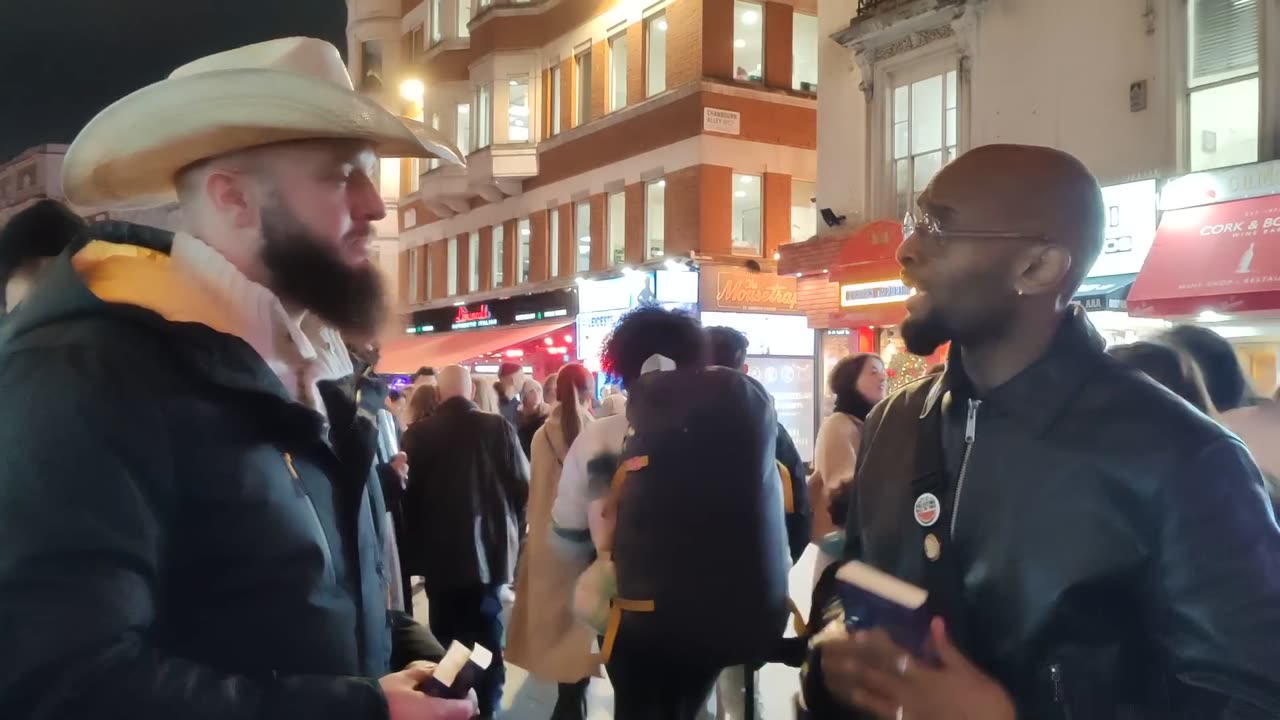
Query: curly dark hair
[{"x": 648, "y": 331}]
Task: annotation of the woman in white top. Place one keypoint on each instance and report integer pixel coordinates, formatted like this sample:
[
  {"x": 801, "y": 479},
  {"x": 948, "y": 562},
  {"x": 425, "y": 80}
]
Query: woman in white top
[{"x": 858, "y": 382}]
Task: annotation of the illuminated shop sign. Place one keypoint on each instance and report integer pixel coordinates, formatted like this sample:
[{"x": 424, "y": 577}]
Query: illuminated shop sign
[
  {"x": 876, "y": 293},
  {"x": 526, "y": 309}
]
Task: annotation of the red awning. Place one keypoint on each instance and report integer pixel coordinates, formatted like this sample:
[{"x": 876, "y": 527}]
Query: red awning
[
  {"x": 1224, "y": 258},
  {"x": 870, "y": 254},
  {"x": 407, "y": 355}
]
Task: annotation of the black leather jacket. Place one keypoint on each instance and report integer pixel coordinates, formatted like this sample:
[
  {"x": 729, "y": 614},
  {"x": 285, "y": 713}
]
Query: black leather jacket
[{"x": 1112, "y": 555}]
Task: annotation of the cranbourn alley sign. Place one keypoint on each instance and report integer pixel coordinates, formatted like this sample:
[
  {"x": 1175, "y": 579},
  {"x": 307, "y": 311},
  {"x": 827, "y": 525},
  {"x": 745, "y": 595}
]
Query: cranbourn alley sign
[
  {"x": 736, "y": 289},
  {"x": 527, "y": 309}
]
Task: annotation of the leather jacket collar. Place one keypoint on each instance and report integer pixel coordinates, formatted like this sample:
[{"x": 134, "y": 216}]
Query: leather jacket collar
[{"x": 1038, "y": 394}]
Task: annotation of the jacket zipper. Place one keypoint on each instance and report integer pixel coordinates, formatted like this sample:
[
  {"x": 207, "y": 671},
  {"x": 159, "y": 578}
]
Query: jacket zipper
[
  {"x": 1059, "y": 690},
  {"x": 970, "y": 435}
]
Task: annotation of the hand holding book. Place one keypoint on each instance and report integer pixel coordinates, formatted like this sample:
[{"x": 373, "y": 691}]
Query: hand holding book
[{"x": 887, "y": 658}]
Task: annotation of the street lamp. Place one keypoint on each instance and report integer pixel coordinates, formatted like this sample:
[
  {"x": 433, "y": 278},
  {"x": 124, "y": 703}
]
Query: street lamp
[{"x": 412, "y": 90}]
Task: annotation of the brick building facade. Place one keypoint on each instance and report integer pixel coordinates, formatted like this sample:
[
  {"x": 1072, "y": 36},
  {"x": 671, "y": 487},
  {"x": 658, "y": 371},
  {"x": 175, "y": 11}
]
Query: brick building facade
[{"x": 599, "y": 134}]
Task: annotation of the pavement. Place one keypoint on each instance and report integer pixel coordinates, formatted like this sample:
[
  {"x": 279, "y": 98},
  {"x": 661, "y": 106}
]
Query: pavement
[{"x": 527, "y": 698}]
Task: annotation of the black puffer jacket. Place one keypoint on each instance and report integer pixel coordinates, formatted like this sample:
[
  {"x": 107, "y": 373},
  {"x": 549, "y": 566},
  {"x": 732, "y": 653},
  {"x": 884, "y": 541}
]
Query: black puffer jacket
[
  {"x": 1113, "y": 554},
  {"x": 178, "y": 537}
]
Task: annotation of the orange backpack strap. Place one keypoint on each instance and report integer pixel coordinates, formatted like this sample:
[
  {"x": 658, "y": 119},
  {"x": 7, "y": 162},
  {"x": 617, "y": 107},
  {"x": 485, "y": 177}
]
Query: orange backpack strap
[
  {"x": 788, "y": 492},
  {"x": 615, "y": 621}
]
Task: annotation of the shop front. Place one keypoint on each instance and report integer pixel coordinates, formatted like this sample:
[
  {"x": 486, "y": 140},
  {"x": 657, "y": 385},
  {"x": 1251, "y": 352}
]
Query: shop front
[
  {"x": 1216, "y": 262},
  {"x": 780, "y": 354},
  {"x": 602, "y": 303},
  {"x": 1130, "y": 231},
  {"x": 536, "y": 330},
  {"x": 850, "y": 289}
]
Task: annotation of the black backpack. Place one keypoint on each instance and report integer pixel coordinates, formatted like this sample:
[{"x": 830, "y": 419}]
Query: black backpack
[{"x": 700, "y": 545}]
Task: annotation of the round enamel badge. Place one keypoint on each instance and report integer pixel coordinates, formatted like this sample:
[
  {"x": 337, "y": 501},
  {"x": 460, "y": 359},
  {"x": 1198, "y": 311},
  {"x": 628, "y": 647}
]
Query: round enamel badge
[{"x": 927, "y": 509}]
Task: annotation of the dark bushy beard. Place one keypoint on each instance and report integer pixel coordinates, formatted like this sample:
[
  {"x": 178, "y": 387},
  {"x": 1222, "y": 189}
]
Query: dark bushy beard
[
  {"x": 310, "y": 274},
  {"x": 924, "y": 335}
]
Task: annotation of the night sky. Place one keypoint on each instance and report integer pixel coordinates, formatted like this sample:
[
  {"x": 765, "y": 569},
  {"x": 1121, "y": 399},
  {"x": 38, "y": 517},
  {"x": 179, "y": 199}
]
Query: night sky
[{"x": 63, "y": 60}]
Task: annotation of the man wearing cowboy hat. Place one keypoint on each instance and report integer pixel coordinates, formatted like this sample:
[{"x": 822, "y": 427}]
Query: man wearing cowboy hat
[{"x": 191, "y": 527}]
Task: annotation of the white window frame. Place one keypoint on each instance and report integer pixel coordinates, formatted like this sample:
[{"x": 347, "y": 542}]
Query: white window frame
[
  {"x": 515, "y": 81},
  {"x": 524, "y": 250},
  {"x": 615, "y": 243},
  {"x": 413, "y": 275},
  {"x": 451, "y": 282},
  {"x": 649, "y": 254},
  {"x": 555, "y": 100},
  {"x": 482, "y": 117},
  {"x": 614, "y": 103},
  {"x": 578, "y": 234},
  {"x": 654, "y": 85},
  {"x": 582, "y": 90},
  {"x": 497, "y": 245},
  {"x": 553, "y": 242},
  {"x": 757, "y": 184},
  {"x": 930, "y": 60},
  {"x": 473, "y": 261},
  {"x": 1179, "y": 29},
  {"x": 462, "y": 136},
  {"x": 463, "y": 12},
  {"x": 435, "y": 15}
]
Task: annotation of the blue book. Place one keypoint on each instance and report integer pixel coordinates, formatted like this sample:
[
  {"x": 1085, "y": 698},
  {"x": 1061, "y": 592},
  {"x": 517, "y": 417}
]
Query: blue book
[
  {"x": 457, "y": 672},
  {"x": 875, "y": 599}
]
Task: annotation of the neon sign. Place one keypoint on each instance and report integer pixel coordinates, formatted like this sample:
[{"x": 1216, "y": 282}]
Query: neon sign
[{"x": 480, "y": 317}]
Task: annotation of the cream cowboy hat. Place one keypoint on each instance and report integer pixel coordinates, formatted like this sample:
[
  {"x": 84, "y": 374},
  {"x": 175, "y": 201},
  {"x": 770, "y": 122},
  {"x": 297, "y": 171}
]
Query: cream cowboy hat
[{"x": 276, "y": 91}]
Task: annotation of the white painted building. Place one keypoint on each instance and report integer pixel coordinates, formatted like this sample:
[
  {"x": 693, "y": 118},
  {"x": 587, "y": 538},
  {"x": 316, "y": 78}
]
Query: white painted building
[
  {"x": 1144, "y": 92},
  {"x": 1135, "y": 88},
  {"x": 36, "y": 174}
]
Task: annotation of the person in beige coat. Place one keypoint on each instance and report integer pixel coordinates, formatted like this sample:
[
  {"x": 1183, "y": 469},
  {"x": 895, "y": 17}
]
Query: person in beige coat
[
  {"x": 858, "y": 382},
  {"x": 544, "y": 637}
]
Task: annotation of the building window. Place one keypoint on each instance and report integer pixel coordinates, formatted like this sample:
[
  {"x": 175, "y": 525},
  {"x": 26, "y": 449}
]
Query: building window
[
  {"x": 616, "y": 233},
  {"x": 496, "y": 255},
  {"x": 804, "y": 52},
  {"x": 524, "y": 243},
  {"x": 417, "y": 41},
  {"x": 804, "y": 210},
  {"x": 655, "y": 48},
  {"x": 434, "y": 162},
  {"x": 371, "y": 66},
  {"x": 473, "y": 261},
  {"x": 429, "y": 280},
  {"x": 924, "y": 135},
  {"x": 484, "y": 115},
  {"x": 415, "y": 174},
  {"x": 655, "y": 219},
  {"x": 748, "y": 41},
  {"x": 413, "y": 275},
  {"x": 582, "y": 106},
  {"x": 462, "y": 129},
  {"x": 618, "y": 72},
  {"x": 555, "y": 100},
  {"x": 452, "y": 281},
  {"x": 437, "y": 32},
  {"x": 746, "y": 214},
  {"x": 464, "y": 18},
  {"x": 553, "y": 242},
  {"x": 1222, "y": 83},
  {"x": 582, "y": 231},
  {"x": 518, "y": 110}
]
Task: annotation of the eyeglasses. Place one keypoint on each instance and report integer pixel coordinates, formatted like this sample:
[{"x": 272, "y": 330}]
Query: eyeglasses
[{"x": 926, "y": 226}]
